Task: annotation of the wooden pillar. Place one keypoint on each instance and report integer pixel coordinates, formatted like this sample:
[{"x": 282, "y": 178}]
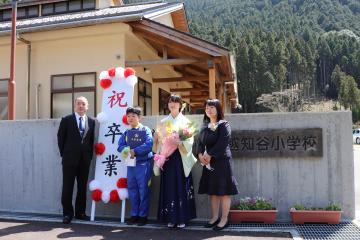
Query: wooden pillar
[
  {"x": 212, "y": 79},
  {"x": 222, "y": 97}
]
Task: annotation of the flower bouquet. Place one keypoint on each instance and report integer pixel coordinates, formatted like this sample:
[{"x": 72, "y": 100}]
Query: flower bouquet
[{"x": 171, "y": 137}]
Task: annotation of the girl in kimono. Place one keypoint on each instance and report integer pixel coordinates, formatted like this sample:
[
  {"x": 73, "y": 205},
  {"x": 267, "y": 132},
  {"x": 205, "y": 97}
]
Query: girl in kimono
[
  {"x": 217, "y": 179},
  {"x": 177, "y": 198}
]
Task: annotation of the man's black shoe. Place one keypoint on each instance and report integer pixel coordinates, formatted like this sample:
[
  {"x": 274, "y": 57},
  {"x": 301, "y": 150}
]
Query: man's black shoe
[
  {"x": 142, "y": 221},
  {"x": 132, "y": 220},
  {"x": 67, "y": 219},
  {"x": 82, "y": 217}
]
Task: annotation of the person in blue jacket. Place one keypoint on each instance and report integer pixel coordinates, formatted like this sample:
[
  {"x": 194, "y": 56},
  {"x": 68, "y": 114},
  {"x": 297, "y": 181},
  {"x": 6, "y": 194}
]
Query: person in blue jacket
[{"x": 138, "y": 141}]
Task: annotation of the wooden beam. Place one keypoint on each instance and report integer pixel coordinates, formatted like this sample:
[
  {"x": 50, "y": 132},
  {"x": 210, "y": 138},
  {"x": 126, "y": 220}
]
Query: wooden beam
[
  {"x": 196, "y": 98},
  {"x": 222, "y": 96},
  {"x": 195, "y": 71},
  {"x": 189, "y": 95},
  {"x": 179, "y": 20},
  {"x": 177, "y": 61},
  {"x": 212, "y": 80},
  {"x": 192, "y": 96},
  {"x": 188, "y": 89},
  {"x": 217, "y": 76},
  {"x": 197, "y": 79},
  {"x": 165, "y": 53},
  {"x": 175, "y": 49},
  {"x": 167, "y": 32},
  {"x": 198, "y": 104}
]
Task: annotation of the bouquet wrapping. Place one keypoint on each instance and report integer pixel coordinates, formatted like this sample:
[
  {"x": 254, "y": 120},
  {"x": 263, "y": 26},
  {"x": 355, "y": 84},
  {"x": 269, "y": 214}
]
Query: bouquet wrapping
[{"x": 171, "y": 140}]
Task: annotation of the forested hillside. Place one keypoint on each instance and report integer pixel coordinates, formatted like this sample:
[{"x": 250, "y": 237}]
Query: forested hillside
[{"x": 281, "y": 44}]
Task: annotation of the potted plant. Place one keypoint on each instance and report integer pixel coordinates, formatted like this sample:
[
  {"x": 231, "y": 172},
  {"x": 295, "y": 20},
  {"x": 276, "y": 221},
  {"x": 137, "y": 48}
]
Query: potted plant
[
  {"x": 331, "y": 214},
  {"x": 256, "y": 209}
]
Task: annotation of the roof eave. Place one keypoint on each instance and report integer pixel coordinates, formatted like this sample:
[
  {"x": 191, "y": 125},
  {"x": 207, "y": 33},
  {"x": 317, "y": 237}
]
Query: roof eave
[
  {"x": 86, "y": 22},
  {"x": 102, "y": 20},
  {"x": 158, "y": 13}
]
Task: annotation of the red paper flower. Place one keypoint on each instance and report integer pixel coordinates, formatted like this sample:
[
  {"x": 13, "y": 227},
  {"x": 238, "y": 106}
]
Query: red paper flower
[
  {"x": 128, "y": 72},
  {"x": 124, "y": 120},
  {"x": 99, "y": 148},
  {"x": 111, "y": 72},
  {"x": 105, "y": 83},
  {"x": 114, "y": 196},
  {"x": 96, "y": 195},
  {"x": 122, "y": 183}
]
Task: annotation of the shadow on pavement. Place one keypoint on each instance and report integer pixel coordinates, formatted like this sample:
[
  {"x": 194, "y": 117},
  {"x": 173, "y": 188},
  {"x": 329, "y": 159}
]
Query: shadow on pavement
[{"x": 45, "y": 230}]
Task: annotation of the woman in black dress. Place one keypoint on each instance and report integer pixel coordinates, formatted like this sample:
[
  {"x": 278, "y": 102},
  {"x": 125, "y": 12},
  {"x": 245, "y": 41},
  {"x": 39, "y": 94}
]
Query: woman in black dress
[{"x": 213, "y": 151}]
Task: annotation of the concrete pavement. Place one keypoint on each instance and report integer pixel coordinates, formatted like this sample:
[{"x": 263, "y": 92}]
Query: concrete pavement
[{"x": 38, "y": 230}]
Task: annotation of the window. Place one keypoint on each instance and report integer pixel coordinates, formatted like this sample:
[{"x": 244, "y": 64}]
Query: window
[
  {"x": 67, "y": 6},
  {"x": 6, "y": 15},
  {"x": 88, "y": 4},
  {"x": 33, "y": 11},
  {"x": 67, "y": 87},
  {"x": 144, "y": 96},
  {"x": 4, "y": 99},
  {"x": 75, "y": 5},
  {"x": 47, "y": 9},
  {"x": 163, "y": 99},
  {"x": 21, "y": 13},
  {"x": 60, "y": 7}
]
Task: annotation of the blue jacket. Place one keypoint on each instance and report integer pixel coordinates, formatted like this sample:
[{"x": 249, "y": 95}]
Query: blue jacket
[{"x": 143, "y": 152}]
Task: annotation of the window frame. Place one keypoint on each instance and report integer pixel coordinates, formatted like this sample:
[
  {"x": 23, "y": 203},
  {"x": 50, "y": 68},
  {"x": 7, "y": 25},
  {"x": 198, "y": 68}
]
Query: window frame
[
  {"x": 40, "y": 8},
  {"x": 2, "y": 15},
  {"x": 5, "y": 94},
  {"x": 161, "y": 110},
  {"x": 20, "y": 17},
  {"x": 48, "y": 14},
  {"x": 144, "y": 95},
  {"x": 81, "y": 7},
  {"x": 72, "y": 90},
  {"x": 67, "y": 8},
  {"x": 33, "y": 16}
]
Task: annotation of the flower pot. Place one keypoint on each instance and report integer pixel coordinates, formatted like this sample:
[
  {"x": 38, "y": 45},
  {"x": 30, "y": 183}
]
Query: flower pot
[
  {"x": 315, "y": 216},
  {"x": 265, "y": 216}
]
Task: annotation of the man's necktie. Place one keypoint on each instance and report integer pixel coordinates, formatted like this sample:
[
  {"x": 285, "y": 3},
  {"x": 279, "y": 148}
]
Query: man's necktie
[{"x": 81, "y": 127}]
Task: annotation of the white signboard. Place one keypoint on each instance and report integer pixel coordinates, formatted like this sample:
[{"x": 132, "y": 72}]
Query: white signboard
[{"x": 110, "y": 183}]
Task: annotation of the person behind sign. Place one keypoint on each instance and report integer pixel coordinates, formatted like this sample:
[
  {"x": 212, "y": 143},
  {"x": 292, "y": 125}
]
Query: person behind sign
[
  {"x": 177, "y": 199},
  {"x": 75, "y": 140},
  {"x": 137, "y": 141},
  {"x": 213, "y": 151}
]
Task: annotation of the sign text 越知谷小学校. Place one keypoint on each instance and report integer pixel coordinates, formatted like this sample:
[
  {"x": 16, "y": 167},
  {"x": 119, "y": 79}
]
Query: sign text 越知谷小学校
[{"x": 301, "y": 142}]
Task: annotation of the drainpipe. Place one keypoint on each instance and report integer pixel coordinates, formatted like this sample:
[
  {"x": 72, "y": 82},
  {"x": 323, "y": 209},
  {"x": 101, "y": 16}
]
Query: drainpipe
[
  {"x": 11, "y": 87},
  {"x": 28, "y": 43}
]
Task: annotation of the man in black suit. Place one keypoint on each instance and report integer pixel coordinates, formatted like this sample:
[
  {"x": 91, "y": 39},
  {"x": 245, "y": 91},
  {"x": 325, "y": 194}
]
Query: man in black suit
[{"x": 76, "y": 140}]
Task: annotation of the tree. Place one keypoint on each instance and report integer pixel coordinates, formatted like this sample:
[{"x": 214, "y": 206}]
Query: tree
[
  {"x": 336, "y": 77},
  {"x": 349, "y": 93},
  {"x": 280, "y": 75},
  {"x": 286, "y": 41}
]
